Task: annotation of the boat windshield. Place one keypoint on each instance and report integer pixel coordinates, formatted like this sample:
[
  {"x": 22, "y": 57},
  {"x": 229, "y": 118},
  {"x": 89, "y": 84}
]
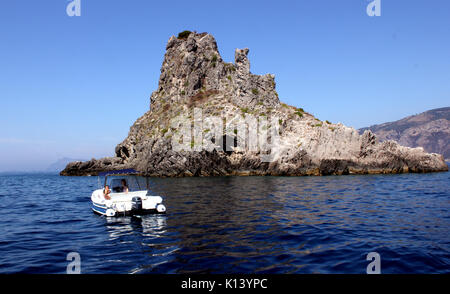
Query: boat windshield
[{"x": 134, "y": 183}]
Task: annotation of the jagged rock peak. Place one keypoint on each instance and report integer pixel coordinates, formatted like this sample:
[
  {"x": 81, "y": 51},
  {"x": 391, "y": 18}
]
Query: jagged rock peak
[{"x": 192, "y": 64}]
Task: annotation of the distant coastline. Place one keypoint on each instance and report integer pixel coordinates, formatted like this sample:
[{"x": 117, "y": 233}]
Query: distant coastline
[
  {"x": 54, "y": 168},
  {"x": 25, "y": 173}
]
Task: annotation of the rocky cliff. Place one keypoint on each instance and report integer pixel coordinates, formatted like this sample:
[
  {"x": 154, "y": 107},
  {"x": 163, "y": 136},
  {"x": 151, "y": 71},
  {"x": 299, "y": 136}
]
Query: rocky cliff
[
  {"x": 430, "y": 130},
  {"x": 211, "y": 118}
]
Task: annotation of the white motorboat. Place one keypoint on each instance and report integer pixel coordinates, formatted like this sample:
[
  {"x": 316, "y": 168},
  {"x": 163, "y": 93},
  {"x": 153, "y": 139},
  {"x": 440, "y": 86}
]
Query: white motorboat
[{"x": 129, "y": 195}]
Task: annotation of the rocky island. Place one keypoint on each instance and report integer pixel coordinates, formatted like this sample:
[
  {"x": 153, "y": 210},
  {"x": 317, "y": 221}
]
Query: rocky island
[{"x": 212, "y": 118}]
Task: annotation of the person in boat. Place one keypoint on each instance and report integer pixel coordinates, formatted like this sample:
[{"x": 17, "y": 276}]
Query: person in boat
[
  {"x": 106, "y": 192},
  {"x": 124, "y": 186}
]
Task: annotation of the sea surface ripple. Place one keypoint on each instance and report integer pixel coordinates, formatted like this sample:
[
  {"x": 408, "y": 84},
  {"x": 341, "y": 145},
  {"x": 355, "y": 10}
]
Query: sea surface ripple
[{"x": 232, "y": 225}]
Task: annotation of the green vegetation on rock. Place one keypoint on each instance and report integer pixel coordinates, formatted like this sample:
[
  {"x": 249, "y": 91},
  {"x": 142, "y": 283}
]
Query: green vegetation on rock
[{"x": 184, "y": 35}]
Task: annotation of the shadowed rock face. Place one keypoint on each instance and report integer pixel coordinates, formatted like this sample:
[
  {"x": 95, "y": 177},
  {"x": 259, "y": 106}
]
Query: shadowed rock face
[
  {"x": 430, "y": 130},
  {"x": 194, "y": 76}
]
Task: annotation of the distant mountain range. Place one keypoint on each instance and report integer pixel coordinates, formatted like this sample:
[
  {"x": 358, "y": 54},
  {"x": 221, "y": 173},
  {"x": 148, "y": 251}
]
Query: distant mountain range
[
  {"x": 60, "y": 164},
  {"x": 430, "y": 130},
  {"x": 54, "y": 168}
]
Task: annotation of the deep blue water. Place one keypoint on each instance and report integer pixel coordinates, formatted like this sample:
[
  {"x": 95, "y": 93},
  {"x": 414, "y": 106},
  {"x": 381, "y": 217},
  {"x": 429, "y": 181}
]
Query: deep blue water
[{"x": 232, "y": 225}]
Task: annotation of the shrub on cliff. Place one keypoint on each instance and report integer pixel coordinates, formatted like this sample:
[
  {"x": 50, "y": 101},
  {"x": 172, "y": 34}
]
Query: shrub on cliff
[{"x": 184, "y": 34}]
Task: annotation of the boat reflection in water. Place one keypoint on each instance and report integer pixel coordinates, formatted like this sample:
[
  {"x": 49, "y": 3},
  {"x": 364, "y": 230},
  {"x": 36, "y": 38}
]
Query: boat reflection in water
[
  {"x": 152, "y": 226},
  {"x": 140, "y": 243}
]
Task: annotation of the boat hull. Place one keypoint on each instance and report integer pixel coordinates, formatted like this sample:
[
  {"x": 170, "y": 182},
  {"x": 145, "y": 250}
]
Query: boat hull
[
  {"x": 102, "y": 211},
  {"x": 123, "y": 204}
]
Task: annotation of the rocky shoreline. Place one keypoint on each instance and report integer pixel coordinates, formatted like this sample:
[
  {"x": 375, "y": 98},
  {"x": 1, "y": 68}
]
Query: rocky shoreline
[{"x": 212, "y": 118}]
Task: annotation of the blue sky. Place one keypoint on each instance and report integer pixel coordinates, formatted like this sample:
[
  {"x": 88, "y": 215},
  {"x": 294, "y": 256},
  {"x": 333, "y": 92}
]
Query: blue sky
[{"x": 72, "y": 86}]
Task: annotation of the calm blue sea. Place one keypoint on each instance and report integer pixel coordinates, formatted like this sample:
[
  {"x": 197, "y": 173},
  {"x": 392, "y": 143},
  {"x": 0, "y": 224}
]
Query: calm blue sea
[{"x": 232, "y": 225}]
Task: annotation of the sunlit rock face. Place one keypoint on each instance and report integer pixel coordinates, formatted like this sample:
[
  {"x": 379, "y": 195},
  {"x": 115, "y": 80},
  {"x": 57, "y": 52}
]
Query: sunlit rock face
[{"x": 252, "y": 134}]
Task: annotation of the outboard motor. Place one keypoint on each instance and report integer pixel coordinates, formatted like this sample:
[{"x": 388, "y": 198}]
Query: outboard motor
[{"x": 136, "y": 204}]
